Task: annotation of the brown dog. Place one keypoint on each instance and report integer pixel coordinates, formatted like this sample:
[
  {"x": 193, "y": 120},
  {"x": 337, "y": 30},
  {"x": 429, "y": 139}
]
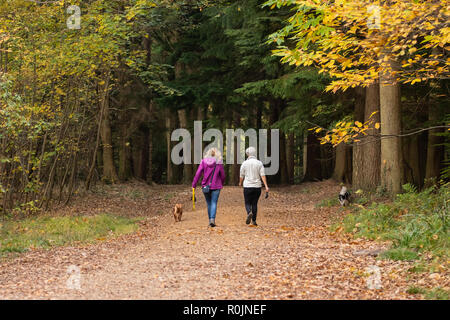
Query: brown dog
[{"x": 178, "y": 212}]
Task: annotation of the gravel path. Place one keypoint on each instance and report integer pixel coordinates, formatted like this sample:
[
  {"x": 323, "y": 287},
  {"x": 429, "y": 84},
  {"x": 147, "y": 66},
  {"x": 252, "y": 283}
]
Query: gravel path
[{"x": 290, "y": 255}]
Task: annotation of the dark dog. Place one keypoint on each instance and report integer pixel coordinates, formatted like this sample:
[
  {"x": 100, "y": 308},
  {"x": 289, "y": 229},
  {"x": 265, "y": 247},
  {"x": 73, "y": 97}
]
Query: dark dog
[
  {"x": 177, "y": 212},
  {"x": 344, "y": 197}
]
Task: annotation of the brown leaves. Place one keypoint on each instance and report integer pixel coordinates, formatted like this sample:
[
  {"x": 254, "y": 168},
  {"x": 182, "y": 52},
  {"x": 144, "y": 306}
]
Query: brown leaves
[{"x": 291, "y": 255}]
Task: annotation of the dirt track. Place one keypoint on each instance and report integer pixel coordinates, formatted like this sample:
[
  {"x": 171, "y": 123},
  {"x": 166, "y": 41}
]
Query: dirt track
[{"x": 290, "y": 255}]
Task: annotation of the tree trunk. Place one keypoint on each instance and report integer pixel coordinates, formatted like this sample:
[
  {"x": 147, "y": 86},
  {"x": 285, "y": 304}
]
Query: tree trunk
[
  {"x": 97, "y": 150},
  {"x": 170, "y": 122},
  {"x": 391, "y": 155},
  {"x": 340, "y": 167},
  {"x": 371, "y": 147},
  {"x": 304, "y": 153},
  {"x": 124, "y": 154},
  {"x": 411, "y": 168},
  {"x": 290, "y": 157},
  {"x": 435, "y": 152},
  {"x": 200, "y": 117},
  {"x": 147, "y": 45},
  {"x": 151, "y": 114},
  {"x": 109, "y": 170},
  {"x": 169, "y": 145},
  {"x": 187, "y": 168},
  {"x": 283, "y": 162},
  {"x": 235, "y": 167},
  {"x": 349, "y": 166},
  {"x": 259, "y": 114},
  {"x": 313, "y": 170},
  {"x": 358, "y": 155},
  {"x": 138, "y": 152}
]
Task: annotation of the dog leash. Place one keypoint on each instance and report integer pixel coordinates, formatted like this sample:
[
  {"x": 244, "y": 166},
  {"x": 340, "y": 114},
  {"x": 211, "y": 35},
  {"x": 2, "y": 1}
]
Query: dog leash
[{"x": 193, "y": 199}]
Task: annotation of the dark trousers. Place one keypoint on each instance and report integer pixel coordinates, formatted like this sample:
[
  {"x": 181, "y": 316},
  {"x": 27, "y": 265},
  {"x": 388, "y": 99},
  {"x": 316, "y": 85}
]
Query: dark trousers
[{"x": 251, "y": 197}]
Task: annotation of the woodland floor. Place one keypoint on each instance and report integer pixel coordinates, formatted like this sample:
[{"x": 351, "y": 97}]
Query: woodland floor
[{"x": 290, "y": 255}]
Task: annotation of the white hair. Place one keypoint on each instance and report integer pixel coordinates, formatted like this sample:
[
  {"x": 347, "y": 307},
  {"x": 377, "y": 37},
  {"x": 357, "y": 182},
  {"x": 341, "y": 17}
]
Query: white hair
[
  {"x": 213, "y": 153},
  {"x": 251, "y": 152}
]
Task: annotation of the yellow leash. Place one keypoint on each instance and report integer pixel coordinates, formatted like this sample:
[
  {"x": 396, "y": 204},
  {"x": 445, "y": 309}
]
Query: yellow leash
[{"x": 193, "y": 199}]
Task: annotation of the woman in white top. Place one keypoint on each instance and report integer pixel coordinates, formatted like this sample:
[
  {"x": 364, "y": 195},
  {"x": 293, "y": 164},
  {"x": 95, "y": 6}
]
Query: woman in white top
[{"x": 251, "y": 173}]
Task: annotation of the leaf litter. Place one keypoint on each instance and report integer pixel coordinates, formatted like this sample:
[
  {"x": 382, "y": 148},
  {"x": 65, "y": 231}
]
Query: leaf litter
[{"x": 291, "y": 254}]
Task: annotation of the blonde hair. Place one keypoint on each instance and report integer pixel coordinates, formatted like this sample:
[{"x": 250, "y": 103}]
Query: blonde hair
[{"x": 213, "y": 153}]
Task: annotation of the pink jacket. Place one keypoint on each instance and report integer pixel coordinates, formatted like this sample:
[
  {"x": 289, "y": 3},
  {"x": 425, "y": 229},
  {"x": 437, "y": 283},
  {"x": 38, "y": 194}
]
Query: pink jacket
[{"x": 206, "y": 168}]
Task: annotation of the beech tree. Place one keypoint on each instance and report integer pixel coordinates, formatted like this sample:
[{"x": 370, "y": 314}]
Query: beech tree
[
  {"x": 97, "y": 104},
  {"x": 359, "y": 43}
]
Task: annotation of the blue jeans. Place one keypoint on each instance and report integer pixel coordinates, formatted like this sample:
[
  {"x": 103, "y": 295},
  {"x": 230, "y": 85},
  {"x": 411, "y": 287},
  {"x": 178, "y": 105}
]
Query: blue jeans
[{"x": 211, "y": 200}]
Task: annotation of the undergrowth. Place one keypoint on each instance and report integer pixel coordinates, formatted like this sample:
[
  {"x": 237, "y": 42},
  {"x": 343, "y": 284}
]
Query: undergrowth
[
  {"x": 417, "y": 224},
  {"x": 45, "y": 232}
]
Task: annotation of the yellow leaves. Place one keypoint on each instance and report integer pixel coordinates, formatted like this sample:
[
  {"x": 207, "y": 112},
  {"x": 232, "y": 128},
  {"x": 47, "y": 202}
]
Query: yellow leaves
[
  {"x": 347, "y": 37},
  {"x": 346, "y": 64},
  {"x": 353, "y": 29},
  {"x": 348, "y": 131},
  {"x": 372, "y": 114},
  {"x": 59, "y": 91},
  {"x": 327, "y": 139}
]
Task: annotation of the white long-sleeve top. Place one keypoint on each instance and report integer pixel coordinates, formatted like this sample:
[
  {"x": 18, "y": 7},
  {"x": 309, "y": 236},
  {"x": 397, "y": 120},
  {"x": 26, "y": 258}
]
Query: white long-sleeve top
[{"x": 252, "y": 170}]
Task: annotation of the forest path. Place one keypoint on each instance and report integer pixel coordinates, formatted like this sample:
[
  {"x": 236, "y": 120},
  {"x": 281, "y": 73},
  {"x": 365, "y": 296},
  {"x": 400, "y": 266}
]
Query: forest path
[{"x": 290, "y": 255}]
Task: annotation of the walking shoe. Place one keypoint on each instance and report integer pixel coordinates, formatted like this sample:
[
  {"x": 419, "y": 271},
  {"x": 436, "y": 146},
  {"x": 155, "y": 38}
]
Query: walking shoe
[
  {"x": 212, "y": 223},
  {"x": 254, "y": 223},
  {"x": 249, "y": 218}
]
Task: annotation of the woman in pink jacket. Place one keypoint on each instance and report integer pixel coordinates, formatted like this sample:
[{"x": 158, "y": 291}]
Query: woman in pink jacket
[{"x": 213, "y": 173}]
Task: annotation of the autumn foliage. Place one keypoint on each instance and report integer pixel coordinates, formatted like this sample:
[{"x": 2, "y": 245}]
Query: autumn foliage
[{"x": 354, "y": 40}]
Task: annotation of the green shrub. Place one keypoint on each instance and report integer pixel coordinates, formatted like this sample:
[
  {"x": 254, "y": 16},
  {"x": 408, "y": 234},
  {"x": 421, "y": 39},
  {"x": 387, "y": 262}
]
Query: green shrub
[
  {"x": 330, "y": 202},
  {"x": 433, "y": 294},
  {"x": 45, "y": 232},
  {"x": 437, "y": 294},
  {"x": 414, "y": 222},
  {"x": 399, "y": 254},
  {"x": 415, "y": 290}
]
